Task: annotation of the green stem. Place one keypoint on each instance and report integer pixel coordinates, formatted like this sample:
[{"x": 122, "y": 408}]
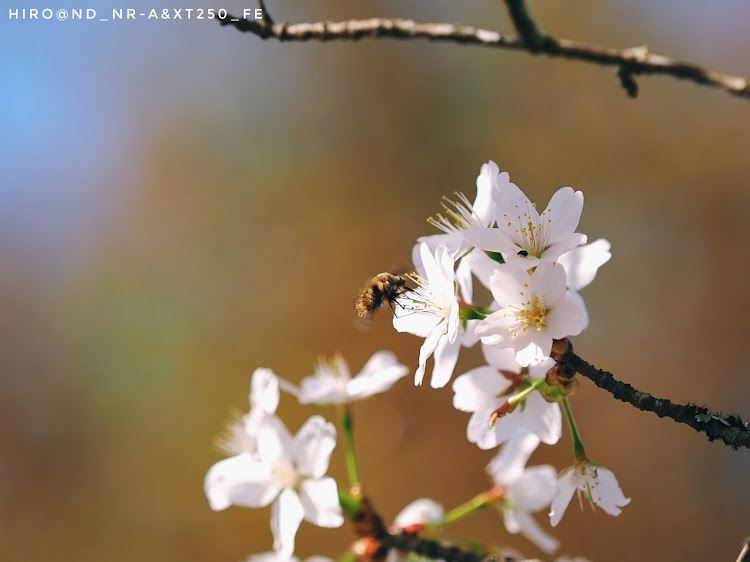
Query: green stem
[
  {"x": 347, "y": 424},
  {"x": 535, "y": 385},
  {"x": 474, "y": 504},
  {"x": 578, "y": 451}
]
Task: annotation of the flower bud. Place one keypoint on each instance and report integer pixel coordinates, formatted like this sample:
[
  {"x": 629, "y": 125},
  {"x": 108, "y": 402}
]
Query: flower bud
[
  {"x": 563, "y": 377},
  {"x": 561, "y": 349}
]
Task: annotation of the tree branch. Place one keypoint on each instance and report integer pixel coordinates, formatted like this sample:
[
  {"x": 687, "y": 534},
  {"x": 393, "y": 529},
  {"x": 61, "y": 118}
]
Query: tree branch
[
  {"x": 629, "y": 62},
  {"x": 730, "y": 429}
]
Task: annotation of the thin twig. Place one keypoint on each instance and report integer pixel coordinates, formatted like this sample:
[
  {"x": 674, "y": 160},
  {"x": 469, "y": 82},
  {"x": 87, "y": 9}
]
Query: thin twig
[
  {"x": 744, "y": 555},
  {"x": 635, "y": 61},
  {"x": 729, "y": 429},
  {"x": 526, "y": 26}
]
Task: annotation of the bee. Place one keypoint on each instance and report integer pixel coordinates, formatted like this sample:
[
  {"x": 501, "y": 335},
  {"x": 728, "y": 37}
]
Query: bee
[{"x": 383, "y": 288}]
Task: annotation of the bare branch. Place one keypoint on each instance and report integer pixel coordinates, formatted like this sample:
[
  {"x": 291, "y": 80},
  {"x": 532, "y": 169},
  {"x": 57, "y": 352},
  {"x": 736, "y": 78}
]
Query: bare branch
[
  {"x": 729, "y": 429},
  {"x": 635, "y": 61}
]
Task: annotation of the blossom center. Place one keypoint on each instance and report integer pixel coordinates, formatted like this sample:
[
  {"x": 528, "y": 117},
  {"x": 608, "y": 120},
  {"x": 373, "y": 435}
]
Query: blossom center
[
  {"x": 532, "y": 314},
  {"x": 286, "y": 476},
  {"x": 424, "y": 299},
  {"x": 528, "y": 230}
]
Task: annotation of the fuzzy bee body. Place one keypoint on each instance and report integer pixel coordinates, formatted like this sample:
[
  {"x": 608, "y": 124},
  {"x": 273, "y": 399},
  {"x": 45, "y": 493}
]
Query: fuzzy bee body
[{"x": 383, "y": 288}]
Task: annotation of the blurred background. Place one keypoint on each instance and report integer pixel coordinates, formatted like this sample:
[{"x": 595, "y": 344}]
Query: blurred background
[{"x": 181, "y": 203}]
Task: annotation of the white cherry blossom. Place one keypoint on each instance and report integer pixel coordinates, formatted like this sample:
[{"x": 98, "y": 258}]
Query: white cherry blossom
[
  {"x": 523, "y": 235},
  {"x": 290, "y": 473},
  {"x": 484, "y": 390},
  {"x": 332, "y": 382},
  {"x": 431, "y": 311},
  {"x": 597, "y": 483},
  {"x": 533, "y": 311},
  {"x": 525, "y": 490}
]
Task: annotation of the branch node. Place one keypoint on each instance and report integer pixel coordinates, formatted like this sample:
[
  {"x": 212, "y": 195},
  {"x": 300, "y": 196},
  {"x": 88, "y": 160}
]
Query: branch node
[
  {"x": 535, "y": 39},
  {"x": 266, "y": 15},
  {"x": 627, "y": 80}
]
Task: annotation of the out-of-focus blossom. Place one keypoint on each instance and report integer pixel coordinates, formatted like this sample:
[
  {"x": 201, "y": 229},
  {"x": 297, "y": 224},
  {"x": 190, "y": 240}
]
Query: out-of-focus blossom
[
  {"x": 332, "y": 382},
  {"x": 524, "y": 490},
  {"x": 289, "y": 472}
]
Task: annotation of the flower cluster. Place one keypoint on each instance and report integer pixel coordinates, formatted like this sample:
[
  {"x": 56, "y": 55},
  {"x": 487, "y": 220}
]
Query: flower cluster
[
  {"x": 533, "y": 265},
  {"x": 269, "y": 466}
]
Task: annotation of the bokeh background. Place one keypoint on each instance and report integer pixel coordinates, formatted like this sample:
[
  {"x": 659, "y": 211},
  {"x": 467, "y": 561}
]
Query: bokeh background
[{"x": 181, "y": 203}]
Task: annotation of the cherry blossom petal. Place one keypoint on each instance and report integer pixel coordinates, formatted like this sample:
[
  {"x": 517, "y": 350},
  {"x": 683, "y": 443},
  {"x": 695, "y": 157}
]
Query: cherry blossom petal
[
  {"x": 543, "y": 419},
  {"x": 478, "y": 388},
  {"x": 566, "y": 319},
  {"x": 378, "y": 375},
  {"x": 320, "y": 500},
  {"x": 582, "y": 263},
  {"x": 501, "y": 358},
  {"x": 270, "y": 557},
  {"x": 530, "y": 529},
  {"x": 427, "y": 349},
  {"x": 509, "y": 463},
  {"x": 487, "y": 182},
  {"x": 497, "y": 326},
  {"x": 405, "y": 320},
  {"x": 485, "y": 437},
  {"x": 286, "y": 516},
  {"x": 438, "y": 268},
  {"x": 536, "y": 352},
  {"x": 488, "y": 239},
  {"x": 465, "y": 280},
  {"x": 564, "y": 213},
  {"x": 509, "y": 285},
  {"x": 548, "y": 283},
  {"x": 419, "y": 512},
  {"x": 324, "y": 387},
  {"x": 558, "y": 249},
  {"x": 565, "y": 490},
  {"x": 240, "y": 481},
  {"x": 446, "y": 356},
  {"x": 313, "y": 446},
  {"x": 535, "y": 488},
  {"x": 481, "y": 265},
  {"x": 275, "y": 444},
  {"x": 606, "y": 492},
  {"x": 577, "y": 300},
  {"x": 264, "y": 390}
]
